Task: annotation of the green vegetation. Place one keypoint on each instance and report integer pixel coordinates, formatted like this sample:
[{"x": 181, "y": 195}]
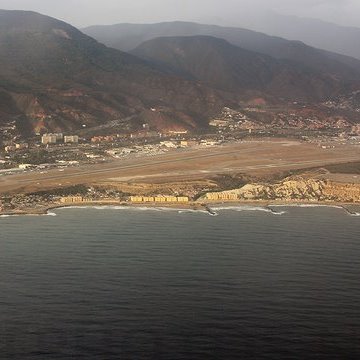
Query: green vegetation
[
  {"x": 229, "y": 182},
  {"x": 347, "y": 168},
  {"x": 80, "y": 189},
  {"x": 40, "y": 156},
  {"x": 226, "y": 182}
]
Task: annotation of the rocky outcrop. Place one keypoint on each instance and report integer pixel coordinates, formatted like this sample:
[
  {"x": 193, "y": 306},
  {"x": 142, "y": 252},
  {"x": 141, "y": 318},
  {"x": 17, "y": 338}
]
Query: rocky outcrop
[
  {"x": 299, "y": 189},
  {"x": 342, "y": 192},
  {"x": 293, "y": 189}
]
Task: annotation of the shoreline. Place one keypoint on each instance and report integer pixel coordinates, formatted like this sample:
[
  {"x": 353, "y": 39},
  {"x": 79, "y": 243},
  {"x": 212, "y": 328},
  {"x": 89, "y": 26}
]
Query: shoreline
[{"x": 209, "y": 207}]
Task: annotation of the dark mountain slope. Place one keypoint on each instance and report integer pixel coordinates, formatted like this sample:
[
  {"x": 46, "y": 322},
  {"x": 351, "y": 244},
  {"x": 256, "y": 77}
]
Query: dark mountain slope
[
  {"x": 53, "y": 77},
  {"x": 224, "y": 66},
  {"x": 126, "y": 37}
]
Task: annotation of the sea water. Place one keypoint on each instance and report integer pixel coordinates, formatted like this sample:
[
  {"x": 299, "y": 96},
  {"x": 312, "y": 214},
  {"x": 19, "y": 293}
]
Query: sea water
[{"x": 120, "y": 283}]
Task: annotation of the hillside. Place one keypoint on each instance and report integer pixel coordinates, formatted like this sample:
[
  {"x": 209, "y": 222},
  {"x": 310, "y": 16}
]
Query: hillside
[
  {"x": 127, "y": 37},
  {"x": 227, "y": 67},
  {"x": 53, "y": 77},
  {"x": 314, "y": 32}
]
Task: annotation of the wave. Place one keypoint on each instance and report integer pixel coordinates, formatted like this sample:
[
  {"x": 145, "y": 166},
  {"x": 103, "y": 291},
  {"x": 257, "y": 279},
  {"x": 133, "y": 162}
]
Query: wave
[
  {"x": 340, "y": 207},
  {"x": 308, "y": 205},
  {"x": 351, "y": 213},
  {"x": 21, "y": 215},
  {"x": 248, "y": 208},
  {"x": 213, "y": 211},
  {"x": 50, "y": 214},
  {"x": 194, "y": 211}
]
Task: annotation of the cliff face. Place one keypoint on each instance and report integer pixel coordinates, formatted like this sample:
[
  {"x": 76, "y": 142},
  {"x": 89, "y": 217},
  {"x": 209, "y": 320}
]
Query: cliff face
[
  {"x": 291, "y": 189},
  {"x": 342, "y": 192}
]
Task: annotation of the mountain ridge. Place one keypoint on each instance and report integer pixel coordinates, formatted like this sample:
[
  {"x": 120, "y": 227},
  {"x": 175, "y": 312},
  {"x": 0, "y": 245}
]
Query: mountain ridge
[
  {"x": 222, "y": 65},
  {"x": 127, "y": 37},
  {"x": 314, "y": 32},
  {"x": 57, "y": 78}
]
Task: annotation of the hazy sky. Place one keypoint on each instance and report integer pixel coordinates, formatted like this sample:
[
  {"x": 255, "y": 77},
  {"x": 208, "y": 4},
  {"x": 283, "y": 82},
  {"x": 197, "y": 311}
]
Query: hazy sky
[{"x": 89, "y": 12}]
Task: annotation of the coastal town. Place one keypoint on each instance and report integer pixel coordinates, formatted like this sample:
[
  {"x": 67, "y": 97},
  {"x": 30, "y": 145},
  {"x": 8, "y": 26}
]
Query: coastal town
[
  {"x": 53, "y": 155},
  {"x": 48, "y": 150}
]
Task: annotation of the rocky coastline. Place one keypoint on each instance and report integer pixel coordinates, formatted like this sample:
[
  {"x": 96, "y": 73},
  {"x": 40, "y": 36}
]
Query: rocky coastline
[
  {"x": 292, "y": 191},
  {"x": 350, "y": 208}
]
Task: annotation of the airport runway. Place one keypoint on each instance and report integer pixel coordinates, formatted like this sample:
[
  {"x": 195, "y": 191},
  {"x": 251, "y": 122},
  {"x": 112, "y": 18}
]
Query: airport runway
[{"x": 243, "y": 157}]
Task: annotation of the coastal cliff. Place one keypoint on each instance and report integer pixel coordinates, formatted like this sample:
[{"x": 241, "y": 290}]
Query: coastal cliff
[{"x": 290, "y": 189}]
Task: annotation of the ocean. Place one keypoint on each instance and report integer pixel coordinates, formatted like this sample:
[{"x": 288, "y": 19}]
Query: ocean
[{"x": 120, "y": 283}]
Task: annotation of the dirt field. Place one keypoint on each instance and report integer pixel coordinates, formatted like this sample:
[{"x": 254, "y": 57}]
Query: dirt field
[{"x": 254, "y": 158}]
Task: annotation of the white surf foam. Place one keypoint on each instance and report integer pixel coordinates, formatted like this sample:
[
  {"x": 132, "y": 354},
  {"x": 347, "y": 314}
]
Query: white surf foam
[
  {"x": 214, "y": 211},
  {"x": 308, "y": 206},
  {"x": 241, "y": 208},
  {"x": 355, "y": 214},
  {"x": 339, "y": 207},
  {"x": 192, "y": 211},
  {"x": 50, "y": 214},
  {"x": 21, "y": 215}
]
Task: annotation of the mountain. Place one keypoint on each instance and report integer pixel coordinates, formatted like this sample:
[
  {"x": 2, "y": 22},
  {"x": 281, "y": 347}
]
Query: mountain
[
  {"x": 127, "y": 37},
  {"x": 221, "y": 65},
  {"x": 320, "y": 34},
  {"x": 53, "y": 77}
]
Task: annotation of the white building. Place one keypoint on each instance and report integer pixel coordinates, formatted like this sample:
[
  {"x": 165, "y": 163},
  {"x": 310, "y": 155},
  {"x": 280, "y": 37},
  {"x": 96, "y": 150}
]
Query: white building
[
  {"x": 48, "y": 139},
  {"x": 71, "y": 139}
]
